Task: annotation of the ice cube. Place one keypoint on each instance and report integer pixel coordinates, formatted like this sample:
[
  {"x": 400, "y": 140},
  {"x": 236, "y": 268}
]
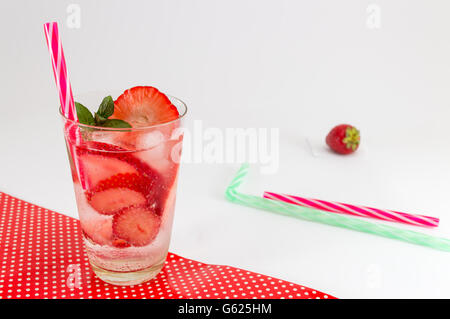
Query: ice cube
[{"x": 148, "y": 140}]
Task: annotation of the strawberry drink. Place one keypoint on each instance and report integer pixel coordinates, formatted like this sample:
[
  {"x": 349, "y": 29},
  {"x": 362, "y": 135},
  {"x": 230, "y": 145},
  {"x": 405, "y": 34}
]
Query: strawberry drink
[{"x": 124, "y": 161}]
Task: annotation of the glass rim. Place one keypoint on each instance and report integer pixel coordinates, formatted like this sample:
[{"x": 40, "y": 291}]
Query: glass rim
[{"x": 122, "y": 129}]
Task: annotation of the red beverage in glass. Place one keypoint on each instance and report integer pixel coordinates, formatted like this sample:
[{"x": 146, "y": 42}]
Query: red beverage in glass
[{"x": 125, "y": 182}]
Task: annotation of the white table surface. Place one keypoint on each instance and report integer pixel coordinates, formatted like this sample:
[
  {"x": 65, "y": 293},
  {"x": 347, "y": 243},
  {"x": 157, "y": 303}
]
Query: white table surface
[{"x": 300, "y": 66}]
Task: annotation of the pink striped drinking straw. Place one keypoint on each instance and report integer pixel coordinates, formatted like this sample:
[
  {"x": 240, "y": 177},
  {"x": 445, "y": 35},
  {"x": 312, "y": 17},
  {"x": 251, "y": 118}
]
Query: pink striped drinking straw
[
  {"x": 60, "y": 70},
  {"x": 362, "y": 211},
  {"x": 63, "y": 84}
]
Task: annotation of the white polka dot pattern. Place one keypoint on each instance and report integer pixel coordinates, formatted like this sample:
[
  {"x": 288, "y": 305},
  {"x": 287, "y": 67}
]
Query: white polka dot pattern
[{"x": 42, "y": 256}]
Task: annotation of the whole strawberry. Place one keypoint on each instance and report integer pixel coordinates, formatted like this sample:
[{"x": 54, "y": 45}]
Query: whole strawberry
[{"x": 343, "y": 139}]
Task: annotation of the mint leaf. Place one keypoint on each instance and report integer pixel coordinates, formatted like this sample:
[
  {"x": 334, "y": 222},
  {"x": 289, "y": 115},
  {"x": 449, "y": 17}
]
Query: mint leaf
[
  {"x": 84, "y": 115},
  {"x": 106, "y": 108},
  {"x": 115, "y": 123},
  {"x": 99, "y": 120}
]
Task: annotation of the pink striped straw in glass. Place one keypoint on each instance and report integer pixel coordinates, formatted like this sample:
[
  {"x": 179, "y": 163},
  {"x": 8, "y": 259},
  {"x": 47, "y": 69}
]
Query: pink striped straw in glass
[
  {"x": 361, "y": 211},
  {"x": 60, "y": 70},
  {"x": 63, "y": 84}
]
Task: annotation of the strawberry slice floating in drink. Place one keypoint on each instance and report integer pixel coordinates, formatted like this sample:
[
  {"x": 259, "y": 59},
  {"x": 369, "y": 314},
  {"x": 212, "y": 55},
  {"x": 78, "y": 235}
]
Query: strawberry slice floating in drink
[
  {"x": 137, "y": 226},
  {"x": 125, "y": 190},
  {"x": 98, "y": 168},
  {"x": 118, "y": 192}
]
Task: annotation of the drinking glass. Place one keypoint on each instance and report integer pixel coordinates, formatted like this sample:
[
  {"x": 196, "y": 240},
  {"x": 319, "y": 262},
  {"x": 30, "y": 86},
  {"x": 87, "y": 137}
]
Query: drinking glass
[{"x": 125, "y": 182}]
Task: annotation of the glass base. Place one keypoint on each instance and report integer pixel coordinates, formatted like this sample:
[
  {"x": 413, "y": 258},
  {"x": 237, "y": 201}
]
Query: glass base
[{"x": 128, "y": 278}]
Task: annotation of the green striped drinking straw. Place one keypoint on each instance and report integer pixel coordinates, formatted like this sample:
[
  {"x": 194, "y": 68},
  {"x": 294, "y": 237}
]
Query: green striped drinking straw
[{"x": 319, "y": 216}]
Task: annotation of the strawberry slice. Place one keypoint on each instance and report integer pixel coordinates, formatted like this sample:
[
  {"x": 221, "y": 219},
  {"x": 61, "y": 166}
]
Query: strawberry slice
[
  {"x": 120, "y": 243},
  {"x": 97, "y": 168},
  {"x": 112, "y": 200},
  {"x": 144, "y": 106},
  {"x": 97, "y": 229},
  {"x": 122, "y": 191},
  {"x": 100, "y": 161},
  {"x": 103, "y": 150},
  {"x": 118, "y": 179},
  {"x": 136, "y": 226}
]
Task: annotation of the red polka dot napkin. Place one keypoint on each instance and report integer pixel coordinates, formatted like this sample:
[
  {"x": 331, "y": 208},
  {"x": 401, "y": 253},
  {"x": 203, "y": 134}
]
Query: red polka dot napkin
[{"x": 42, "y": 256}]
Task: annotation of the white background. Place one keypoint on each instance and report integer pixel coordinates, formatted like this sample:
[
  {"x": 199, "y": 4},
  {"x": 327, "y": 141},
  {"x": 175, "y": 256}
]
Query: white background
[{"x": 300, "y": 66}]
